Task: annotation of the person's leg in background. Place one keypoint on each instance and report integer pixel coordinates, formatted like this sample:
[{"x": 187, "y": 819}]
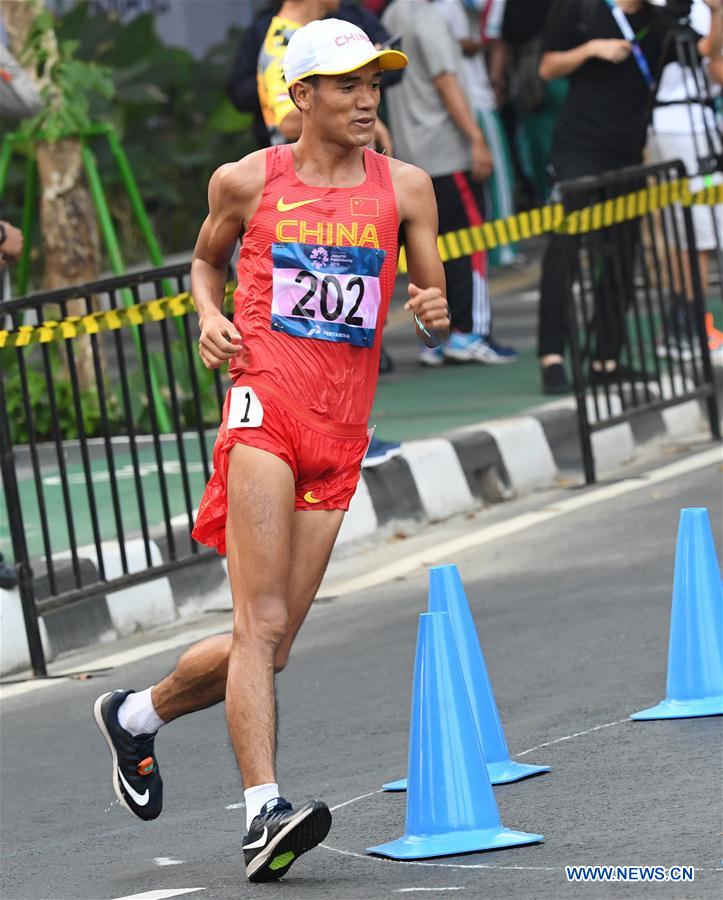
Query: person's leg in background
[
  {"x": 461, "y": 202},
  {"x": 708, "y": 229},
  {"x": 552, "y": 329},
  {"x": 501, "y": 182}
]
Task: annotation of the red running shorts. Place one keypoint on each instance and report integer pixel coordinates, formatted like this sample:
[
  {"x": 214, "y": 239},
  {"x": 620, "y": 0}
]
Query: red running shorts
[{"x": 325, "y": 457}]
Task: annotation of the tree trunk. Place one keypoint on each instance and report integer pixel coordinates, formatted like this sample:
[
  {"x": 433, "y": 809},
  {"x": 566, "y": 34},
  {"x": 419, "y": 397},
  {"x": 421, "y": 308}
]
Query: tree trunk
[
  {"x": 18, "y": 16},
  {"x": 71, "y": 249},
  {"x": 71, "y": 254}
]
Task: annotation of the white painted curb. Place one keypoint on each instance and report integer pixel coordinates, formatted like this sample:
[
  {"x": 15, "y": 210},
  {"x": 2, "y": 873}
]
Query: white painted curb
[
  {"x": 361, "y": 520},
  {"x": 14, "y": 651},
  {"x": 525, "y": 452},
  {"x": 439, "y": 478}
]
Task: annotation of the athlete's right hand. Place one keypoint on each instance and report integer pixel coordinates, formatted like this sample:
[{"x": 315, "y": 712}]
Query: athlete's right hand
[
  {"x": 219, "y": 341},
  {"x": 614, "y": 50}
]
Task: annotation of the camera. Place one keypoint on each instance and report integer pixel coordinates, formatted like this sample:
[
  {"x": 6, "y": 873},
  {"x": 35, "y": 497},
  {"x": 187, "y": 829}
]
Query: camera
[{"x": 679, "y": 10}]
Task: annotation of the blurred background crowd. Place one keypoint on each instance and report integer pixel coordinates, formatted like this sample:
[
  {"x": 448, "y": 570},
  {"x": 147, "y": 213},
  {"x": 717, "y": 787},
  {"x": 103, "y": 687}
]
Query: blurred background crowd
[{"x": 502, "y": 99}]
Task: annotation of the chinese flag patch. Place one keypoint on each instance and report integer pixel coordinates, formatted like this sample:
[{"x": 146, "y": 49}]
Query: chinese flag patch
[{"x": 364, "y": 206}]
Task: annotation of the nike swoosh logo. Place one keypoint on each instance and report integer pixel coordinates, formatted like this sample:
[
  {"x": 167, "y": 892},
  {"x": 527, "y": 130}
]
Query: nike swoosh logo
[
  {"x": 285, "y": 207},
  {"x": 260, "y": 843},
  {"x": 140, "y": 799},
  {"x": 310, "y": 498}
]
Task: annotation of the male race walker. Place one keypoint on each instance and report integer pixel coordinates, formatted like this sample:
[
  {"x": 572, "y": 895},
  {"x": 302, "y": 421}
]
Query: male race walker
[{"x": 320, "y": 221}]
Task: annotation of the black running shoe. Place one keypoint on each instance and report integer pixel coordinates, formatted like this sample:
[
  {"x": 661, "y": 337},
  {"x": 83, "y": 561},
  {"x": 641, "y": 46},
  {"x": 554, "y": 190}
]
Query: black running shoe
[
  {"x": 136, "y": 779},
  {"x": 280, "y": 834}
]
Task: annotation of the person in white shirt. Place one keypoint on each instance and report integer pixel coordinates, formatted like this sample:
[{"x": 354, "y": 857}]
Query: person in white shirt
[
  {"x": 685, "y": 128},
  {"x": 473, "y": 22}
]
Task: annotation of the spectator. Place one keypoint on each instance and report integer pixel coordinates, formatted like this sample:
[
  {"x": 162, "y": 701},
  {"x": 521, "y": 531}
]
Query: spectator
[
  {"x": 434, "y": 128},
  {"x": 684, "y": 127},
  {"x": 534, "y": 104},
  {"x": 243, "y": 85},
  {"x": 600, "y": 127},
  {"x": 19, "y": 99},
  {"x": 466, "y": 23}
]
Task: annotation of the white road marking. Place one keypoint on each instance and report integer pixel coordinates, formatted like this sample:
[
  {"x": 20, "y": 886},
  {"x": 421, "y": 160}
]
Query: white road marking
[
  {"x": 412, "y": 890},
  {"x": 412, "y": 563},
  {"x": 361, "y": 797},
  {"x": 485, "y": 535},
  {"x": 240, "y": 805},
  {"x": 569, "y": 737},
  {"x": 160, "y": 895},
  {"x": 167, "y": 861}
]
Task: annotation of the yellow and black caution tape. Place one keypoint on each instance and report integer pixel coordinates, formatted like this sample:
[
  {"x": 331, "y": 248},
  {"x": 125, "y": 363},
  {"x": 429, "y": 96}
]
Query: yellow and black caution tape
[
  {"x": 546, "y": 219},
  {"x": 103, "y": 320},
  {"x": 452, "y": 245}
]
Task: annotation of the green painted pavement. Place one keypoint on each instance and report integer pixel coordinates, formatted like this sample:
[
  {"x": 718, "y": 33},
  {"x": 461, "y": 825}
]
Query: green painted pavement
[
  {"x": 101, "y": 488},
  {"x": 434, "y": 401}
]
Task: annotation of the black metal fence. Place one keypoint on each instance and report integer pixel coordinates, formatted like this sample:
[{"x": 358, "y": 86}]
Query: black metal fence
[
  {"x": 636, "y": 307},
  {"x": 102, "y": 437}
]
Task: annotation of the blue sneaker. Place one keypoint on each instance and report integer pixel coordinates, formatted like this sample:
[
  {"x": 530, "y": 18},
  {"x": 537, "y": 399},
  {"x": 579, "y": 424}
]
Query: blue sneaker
[
  {"x": 432, "y": 356},
  {"x": 379, "y": 452},
  {"x": 476, "y": 348}
]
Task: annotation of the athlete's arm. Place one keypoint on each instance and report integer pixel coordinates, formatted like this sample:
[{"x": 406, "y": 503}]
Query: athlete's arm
[
  {"x": 418, "y": 215},
  {"x": 231, "y": 192}
]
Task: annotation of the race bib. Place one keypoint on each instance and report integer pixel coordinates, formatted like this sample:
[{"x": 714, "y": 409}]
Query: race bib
[
  {"x": 326, "y": 293},
  {"x": 245, "y": 409}
]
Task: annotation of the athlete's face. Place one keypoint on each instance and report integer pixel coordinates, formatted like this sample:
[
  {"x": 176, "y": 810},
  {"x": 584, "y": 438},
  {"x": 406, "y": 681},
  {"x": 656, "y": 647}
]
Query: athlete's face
[{"x": 345, "y": 106}]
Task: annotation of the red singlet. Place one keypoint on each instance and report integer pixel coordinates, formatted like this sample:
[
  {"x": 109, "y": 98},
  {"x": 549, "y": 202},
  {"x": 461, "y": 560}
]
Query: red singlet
[{"x": 315, "y": 277}]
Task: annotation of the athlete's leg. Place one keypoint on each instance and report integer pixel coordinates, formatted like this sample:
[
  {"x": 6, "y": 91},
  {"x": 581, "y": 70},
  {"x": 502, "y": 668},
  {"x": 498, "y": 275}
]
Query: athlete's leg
[
  {"x": 199, "y": 679},
  {"x": 258, "y": 546},
  {"x": 313, "y": 537}
]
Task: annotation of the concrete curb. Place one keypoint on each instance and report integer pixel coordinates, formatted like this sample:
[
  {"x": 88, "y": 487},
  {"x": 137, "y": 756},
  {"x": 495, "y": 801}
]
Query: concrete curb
[{"x": 431, "y": 480}]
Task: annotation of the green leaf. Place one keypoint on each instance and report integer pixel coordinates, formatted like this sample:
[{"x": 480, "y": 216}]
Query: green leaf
[{"x": 226, "y": 119}]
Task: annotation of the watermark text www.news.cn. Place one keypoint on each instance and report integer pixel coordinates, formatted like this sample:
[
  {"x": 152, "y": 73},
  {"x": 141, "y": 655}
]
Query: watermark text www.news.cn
[{"x": 630, "y": 873}]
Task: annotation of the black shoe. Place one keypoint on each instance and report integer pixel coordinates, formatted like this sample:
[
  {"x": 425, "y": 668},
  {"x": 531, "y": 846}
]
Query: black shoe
[
  {"x": 136, "y": 778},
  {"x": 280, "y": 834},
  {"x": 554, "y": 380}
]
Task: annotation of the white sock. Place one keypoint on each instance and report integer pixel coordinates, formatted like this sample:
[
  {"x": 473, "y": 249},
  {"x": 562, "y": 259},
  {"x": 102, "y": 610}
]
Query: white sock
[
  {"x": 138, "y": 715},
  {"x": 255, "y": 798}
]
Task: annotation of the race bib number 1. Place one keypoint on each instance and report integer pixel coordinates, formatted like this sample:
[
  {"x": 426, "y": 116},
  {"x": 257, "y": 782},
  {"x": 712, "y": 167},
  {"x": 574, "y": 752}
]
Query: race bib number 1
[
  {"x": 245, "y": 409},
  {"x": 326, "y": 293}
]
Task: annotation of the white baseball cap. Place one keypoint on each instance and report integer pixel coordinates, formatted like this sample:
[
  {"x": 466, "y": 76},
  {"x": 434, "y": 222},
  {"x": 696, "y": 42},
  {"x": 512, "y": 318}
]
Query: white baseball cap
[{"x": 333, "y": 47}]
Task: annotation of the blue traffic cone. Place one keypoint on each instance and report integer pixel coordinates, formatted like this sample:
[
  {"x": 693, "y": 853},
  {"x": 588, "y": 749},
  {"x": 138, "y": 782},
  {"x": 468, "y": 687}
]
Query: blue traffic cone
[
  {"x": 450, "y": 805},
  {"x": 695, "y": 650},
  {"x": 446, "y": 594}
]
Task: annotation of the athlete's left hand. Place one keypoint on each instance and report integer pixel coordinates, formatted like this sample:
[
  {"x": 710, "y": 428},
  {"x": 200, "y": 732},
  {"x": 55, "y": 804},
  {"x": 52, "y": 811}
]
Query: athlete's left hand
[{"x": 430, "y": 306}]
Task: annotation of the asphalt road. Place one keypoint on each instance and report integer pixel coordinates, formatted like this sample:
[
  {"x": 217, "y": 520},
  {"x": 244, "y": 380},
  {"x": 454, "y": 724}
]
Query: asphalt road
[{"x": 573, "y": 617}]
